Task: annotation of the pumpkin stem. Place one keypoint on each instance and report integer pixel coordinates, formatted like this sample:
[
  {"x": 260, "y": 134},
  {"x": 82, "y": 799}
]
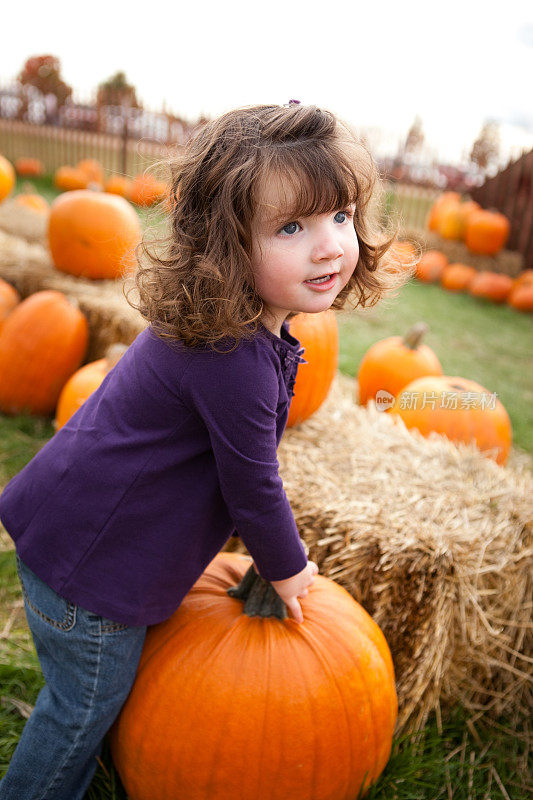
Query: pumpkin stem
[
  {"x": 260, "y": 597},
  {"x": 414, "y": 335}
]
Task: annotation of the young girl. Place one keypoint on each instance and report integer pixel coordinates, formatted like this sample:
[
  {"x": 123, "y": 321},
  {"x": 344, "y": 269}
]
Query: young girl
[{"x": 123, "y": 509}]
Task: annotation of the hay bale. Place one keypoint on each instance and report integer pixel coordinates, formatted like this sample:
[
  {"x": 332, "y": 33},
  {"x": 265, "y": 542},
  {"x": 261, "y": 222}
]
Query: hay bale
[
  {"x": 507, "y": 262},
  {"x": 434, "y": 540},
  {"x": 17, "y": 220},
  {"x": 29, "y": 268}
]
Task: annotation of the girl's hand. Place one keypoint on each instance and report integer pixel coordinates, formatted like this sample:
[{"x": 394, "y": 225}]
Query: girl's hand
[{"x": 297, "y": 586}]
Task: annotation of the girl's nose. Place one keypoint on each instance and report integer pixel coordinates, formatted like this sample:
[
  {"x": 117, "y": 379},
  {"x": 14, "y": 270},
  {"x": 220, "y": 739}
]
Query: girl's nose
[{"x": 326, "y": 248}]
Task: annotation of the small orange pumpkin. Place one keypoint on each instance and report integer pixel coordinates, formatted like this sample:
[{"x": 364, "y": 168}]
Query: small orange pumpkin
[
  {"x": 454, "y": 217},
  {"x": 92, "y": 169},
  {"x": 456, "y": 277},
  {"x": 29, "y": 198},
  {"x": 9, "y": 298},
  {"x": 145, "y": 190},
  {"x": 319, "y": 335},
  {"x": 460, "y": 409},
  {"x": 68, "y": 179},
  {"x": 491, "y": 286},
  {"x": 525, "y": 277},
  {"x": 440, "y": 204},
  {"x": 316, "y": 699},
  {"x": 29, "y": 167},
  {"x": 42, "y": 342},
  {"x": 7, "y": 178},
  {"x": 405, "y": 254},
  {"x": 93, "y": 234},
  {"x": 486, "y": 232},
  {"x": 521, "y": 295},
  {"x": 84, "y": 382},
  {"x": 431, "y": 266},
  {"x": 118, "y": 184},
  {"x": 390, "y": 364}
]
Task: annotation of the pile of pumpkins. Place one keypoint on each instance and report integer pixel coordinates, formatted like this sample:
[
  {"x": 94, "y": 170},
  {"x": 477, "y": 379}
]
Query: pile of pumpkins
[
  {"x": 483, "y": 231},
  {"x": 143, "y": 190},
  {"x": 403, "y": 377},
  {"x": 434, "y": 267}
]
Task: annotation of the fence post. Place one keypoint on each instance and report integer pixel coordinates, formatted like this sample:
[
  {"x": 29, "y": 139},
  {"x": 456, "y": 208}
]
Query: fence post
[{"x": 125, "y": 135}]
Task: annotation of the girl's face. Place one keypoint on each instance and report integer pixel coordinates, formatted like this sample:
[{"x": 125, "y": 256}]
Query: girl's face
[{"x": 287, "y": 254}]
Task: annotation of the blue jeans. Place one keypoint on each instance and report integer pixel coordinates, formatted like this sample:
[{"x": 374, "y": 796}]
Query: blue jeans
[{"x": 89, "y": 664}]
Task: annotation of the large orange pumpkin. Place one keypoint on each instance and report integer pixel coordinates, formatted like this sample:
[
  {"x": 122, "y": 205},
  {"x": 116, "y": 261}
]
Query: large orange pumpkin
[
  {"x": 93, "y": 234},
  {"x": 460, "y": 409},
  {"x": 233, "y": 699},
  {"x": 319, "y": 335},
  {"x": 7, "y": 178},
  {"x": 486, "y": 232},
  {"x": 42, "y": 342},
  {"x": 431, "y": 266},
  {"x": 9, "y": 298},
  {"x": 456, "y": 277},
  {"x": 84, "y": 382},
  {"x": 490, "y": 286},
  {"x": 390, "y": 364},
  {"x": 29, "y": 167}
]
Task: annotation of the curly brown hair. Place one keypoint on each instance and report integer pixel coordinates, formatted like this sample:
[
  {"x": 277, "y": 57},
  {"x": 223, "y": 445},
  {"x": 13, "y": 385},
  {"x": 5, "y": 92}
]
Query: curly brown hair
[{"x": 197, "y": 284}]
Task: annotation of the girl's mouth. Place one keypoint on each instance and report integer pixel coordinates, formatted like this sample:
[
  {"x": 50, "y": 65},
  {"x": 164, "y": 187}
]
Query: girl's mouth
[{"x": 323, "y": 283}]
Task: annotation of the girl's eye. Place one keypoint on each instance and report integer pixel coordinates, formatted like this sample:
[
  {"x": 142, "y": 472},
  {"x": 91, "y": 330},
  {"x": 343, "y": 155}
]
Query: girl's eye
[
  {"x": 290, "y": 228},
  {"x": 344, "y": 216}
]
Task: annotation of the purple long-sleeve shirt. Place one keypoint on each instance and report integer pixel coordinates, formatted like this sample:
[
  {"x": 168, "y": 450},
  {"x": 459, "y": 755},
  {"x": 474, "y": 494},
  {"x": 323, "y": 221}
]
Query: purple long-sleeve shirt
[{"x": 124, "y": 508}]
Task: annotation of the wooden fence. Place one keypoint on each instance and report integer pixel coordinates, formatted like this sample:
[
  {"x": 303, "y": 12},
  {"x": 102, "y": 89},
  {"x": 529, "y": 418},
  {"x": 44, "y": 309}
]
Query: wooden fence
[
  {"x": 56, "y": 146},
  {"x": 511, "y": 193}
]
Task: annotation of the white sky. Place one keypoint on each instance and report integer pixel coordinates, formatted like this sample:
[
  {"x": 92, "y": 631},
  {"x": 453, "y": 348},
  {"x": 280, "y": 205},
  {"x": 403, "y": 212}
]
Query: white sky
[{"x": 376, "y": 64}]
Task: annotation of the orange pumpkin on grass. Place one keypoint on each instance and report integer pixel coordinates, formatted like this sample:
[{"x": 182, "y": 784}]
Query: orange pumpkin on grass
[
  {"x": 319, "y": 335},
  {"x": 431, "y": 266},
  {"x": 521, "y": 295},
  {"x": 233, "y": 699},
  {"x": 68, "y": 179},
  {"x": 9, "y": 298},
  {"x": 390, "y": 364},
  {"x": 42, "y": 342},
  {"x": 486, "y": 232},
  {"x": 118, "y": 184},
  {"x": 7, "y": 178},
  {"x": 457, "y": 277},
  {"x": 92, "y": 169},
  {"x": 145, "y": 190},
  {"x": 84, "y": 382},
  {"x": 93, "y": 234},
  {"x": 29, "y": 167},
  {"x": 460, "y": 409},
  {"x": 491, "y": 286}
]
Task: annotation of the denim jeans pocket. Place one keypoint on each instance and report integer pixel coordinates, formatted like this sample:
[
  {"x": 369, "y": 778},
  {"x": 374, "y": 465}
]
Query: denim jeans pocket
[{"x": 43, "y": 601}]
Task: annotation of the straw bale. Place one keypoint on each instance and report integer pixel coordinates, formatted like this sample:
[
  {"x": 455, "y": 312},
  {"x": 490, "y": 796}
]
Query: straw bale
[
  {"x": 26, "y": 223},
  {"x": 507, "y": 262},
  {"x": 29, "y": 268},
  {"x": 433, "y": 539}
]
